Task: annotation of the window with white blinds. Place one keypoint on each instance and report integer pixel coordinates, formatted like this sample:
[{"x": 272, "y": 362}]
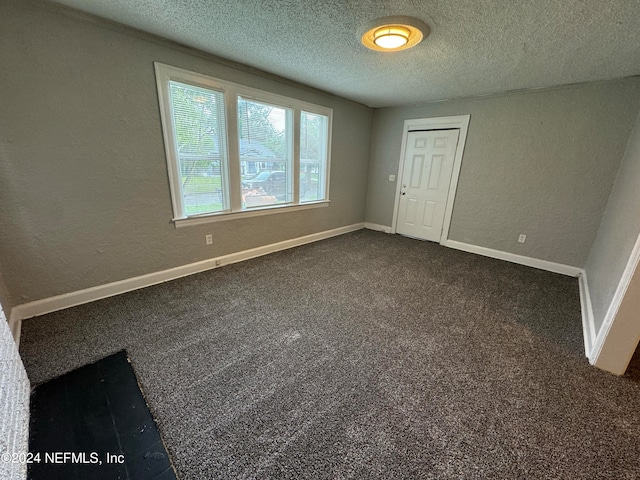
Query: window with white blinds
[
  {"x": 233, "y": 150},
  {"x": 197, "y": 116}
]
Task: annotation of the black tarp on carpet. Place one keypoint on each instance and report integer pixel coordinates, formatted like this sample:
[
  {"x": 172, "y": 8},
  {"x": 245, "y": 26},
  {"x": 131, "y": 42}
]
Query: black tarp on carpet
[{"x": 94, "y": 423}]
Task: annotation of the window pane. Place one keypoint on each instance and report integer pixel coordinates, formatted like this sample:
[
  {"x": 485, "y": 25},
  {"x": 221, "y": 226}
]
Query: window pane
[
  {"x": 200, "y": 136},
  {"x": 313, "y": 156},
  {"x": 265, "y": 140}
]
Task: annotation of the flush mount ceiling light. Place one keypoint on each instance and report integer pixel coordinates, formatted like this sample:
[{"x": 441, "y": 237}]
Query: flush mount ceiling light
[{"x": 391, "y": 34}]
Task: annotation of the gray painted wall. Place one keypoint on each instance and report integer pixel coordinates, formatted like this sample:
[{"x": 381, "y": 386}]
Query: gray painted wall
[
  {"x": 83, "y": 179},
  {"x": 539, "y": 162},
  {"x": 619, "y": 229}
]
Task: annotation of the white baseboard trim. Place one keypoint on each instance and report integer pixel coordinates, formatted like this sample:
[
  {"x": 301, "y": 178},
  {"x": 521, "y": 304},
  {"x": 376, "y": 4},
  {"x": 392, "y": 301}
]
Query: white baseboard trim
[
  {"x": 514, "y": 258},
  {"x": 376, "y": 227},
  {"x": 588, "y": 323},
  {"x": 71, "y": 299}
]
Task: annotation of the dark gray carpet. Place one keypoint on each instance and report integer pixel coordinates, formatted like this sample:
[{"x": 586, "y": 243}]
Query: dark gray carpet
[{"x": 363, "y": 356}]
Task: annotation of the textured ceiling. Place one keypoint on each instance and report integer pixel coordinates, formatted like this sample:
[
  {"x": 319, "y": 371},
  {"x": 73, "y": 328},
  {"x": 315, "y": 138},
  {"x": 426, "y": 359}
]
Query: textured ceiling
[{"x": 476, "y": 47}]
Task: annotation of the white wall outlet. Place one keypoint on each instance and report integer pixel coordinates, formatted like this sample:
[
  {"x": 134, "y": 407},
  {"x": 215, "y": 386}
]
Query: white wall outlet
[
  {"x": 522, "y": 238},
  {"x": 209, "y": 239},
  {"x": 392, "y": 178}
]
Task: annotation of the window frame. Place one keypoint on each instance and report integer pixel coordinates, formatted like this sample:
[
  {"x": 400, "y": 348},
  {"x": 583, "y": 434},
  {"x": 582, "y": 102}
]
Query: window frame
[{"x": 231, "y": 93}]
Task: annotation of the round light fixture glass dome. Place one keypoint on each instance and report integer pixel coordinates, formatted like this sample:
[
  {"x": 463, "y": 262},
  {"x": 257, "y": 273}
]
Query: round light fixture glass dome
[
  {"x": 390, "y": 34},
  {"x": 391, "y": 37}
]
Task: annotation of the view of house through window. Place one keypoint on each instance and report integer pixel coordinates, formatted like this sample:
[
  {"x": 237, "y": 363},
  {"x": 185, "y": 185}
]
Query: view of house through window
[
  {"x": 257, "y": 164},
  {"x": 266, "y": 153}
]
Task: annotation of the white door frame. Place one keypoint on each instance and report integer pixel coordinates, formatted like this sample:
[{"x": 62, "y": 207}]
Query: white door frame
[{"x": 460, "y": 122}]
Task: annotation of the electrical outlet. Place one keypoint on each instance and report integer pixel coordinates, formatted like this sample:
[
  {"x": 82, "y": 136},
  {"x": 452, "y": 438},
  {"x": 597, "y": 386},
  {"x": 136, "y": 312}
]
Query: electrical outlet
[
  {"x": 209, "y": 239},
  {"x": 522, "y": 238}
]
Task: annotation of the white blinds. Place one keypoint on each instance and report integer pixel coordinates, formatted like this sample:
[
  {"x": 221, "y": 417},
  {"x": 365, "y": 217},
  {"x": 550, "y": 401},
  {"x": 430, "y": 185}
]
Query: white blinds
[{"x": 201, "y": 143}]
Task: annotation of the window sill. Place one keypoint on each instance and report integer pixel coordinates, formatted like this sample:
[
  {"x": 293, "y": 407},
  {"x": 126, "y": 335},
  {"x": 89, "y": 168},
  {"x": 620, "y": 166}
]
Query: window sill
[{"x": 254, "y": 212}]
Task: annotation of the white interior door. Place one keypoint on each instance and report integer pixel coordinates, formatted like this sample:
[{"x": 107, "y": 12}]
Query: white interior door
[{"x": 426, "y": 176}]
